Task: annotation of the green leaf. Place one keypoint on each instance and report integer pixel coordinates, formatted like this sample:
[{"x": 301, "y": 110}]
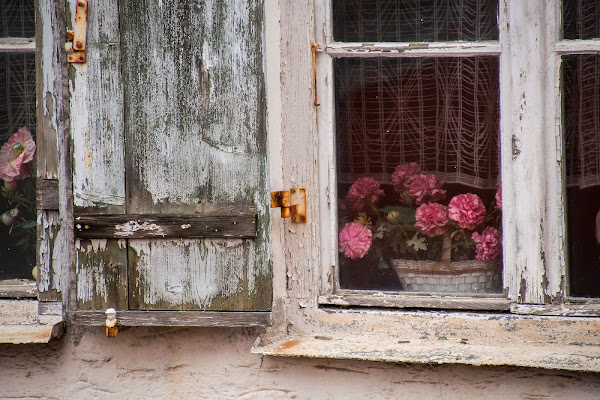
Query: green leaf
[
  {"x": 406, "y": 214},
  {"x": 27, "y": 225},
  {"x": 383, "y": 265}
]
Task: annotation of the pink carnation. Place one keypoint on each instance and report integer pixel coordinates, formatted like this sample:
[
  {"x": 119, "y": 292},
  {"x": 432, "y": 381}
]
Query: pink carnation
[
  {"x": 488, "y": 245},
  {"x": 467, "y": 209},
  {"x": 432, "y": 219},
  {"x": 15, "y": 154},
  {"x": 364, "y": 192},
  {"x": 403, "y": 175},
  {"x": 355, "y": 240},
  {"x": 499, "y": 197},
  {"x": 426, "y": 188}
]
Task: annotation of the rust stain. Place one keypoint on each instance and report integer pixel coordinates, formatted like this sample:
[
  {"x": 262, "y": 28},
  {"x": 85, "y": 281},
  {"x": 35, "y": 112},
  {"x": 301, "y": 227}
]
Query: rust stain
[{"x": 283, "y": 347}]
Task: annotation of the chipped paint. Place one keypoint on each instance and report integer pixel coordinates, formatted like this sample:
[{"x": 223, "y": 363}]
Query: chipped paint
[{"x": 130, "y": 227}]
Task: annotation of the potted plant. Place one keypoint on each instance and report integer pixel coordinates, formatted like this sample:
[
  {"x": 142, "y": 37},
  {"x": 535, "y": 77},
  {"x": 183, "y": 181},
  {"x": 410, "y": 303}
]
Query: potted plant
[{"x": 431, "y": 244}]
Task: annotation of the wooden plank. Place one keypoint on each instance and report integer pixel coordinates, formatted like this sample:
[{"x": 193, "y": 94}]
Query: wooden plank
[
  {"x": 578, "y": 47},
  {"x": 50, "y": 256},
  {"x": 17, "y": 45},
  {"x": 533, "y": 214},
  {"x": 563, "y": 310},
  {"x": 97, "y": 115},
  {"x": 101, "y": 274},
  {"x": 433, "y": 49},
  {"x": 196, "y": 144},
  {"x": 195, "y": 115},
  {"x": 137, "y": 226},
  {"x": 180, "y": 318},
  {"x": 445, "y": 338},
  {"x": 21, "y": 323},
  {"x": 47, "y": 194},
  {"x": 193, "y": 274},
  {"x": 18, "y": 289},
  {"x": 389, "y": 300}
]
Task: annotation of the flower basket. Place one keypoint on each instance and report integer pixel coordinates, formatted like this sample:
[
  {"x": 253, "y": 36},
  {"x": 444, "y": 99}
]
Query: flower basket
[{"x": 471, "y": 276}]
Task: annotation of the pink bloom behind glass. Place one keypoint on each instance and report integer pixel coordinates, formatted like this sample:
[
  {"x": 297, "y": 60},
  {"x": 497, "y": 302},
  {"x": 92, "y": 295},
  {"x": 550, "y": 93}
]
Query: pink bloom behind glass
[
  {"x": 355, "y": 240},
  {"x": 432, "y": 219},
  {"x": 467, "y": 209},
  {"x": 489, "y": 244},
  {"x": 364, "y": 192},
  {"x": 403, "y": 175},
  {"x": 426, "y": 188},
  {"x": 499, "y": 197},
  {"x": 15, "y": 154}
]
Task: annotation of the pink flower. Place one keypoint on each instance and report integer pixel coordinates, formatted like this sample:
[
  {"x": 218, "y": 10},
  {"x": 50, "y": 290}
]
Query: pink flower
[
  {"x": 426, "y": 188},
  {"x": 364, "y": 192},
  {"x": 355, "y": 240},
  {"x": 467, "y": 209},
  {"x": 488, "y": 245},
  {"x": 15, "y": 154},
  {"x": 432, "y": 219},
  {"x": 403, "y": 175},
  {"x": 499, "y": 197}
]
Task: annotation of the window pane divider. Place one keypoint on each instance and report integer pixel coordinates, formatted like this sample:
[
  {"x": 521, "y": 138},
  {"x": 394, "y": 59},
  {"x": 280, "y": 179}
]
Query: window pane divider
[
  {"x": 17, "y": 45},
  {"x": 578, "y": 46},
  {"x": 421, "y": 49}
]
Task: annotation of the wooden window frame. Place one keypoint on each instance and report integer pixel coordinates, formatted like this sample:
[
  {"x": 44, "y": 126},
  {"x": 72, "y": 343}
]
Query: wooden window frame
[{"x": 534, "y": 323}]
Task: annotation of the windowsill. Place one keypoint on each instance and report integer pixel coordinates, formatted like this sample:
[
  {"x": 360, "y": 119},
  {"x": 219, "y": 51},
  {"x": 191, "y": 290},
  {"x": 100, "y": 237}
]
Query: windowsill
[
  {"x": 18, "y": 289},
  {"x": 445, "y": 338},
  {"x": 20, "y": 323}
]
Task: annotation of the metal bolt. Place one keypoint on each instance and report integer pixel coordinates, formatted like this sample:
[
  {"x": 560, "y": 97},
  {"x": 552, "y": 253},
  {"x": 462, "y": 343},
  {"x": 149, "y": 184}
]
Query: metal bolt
[{"x": 81, "y": 4}]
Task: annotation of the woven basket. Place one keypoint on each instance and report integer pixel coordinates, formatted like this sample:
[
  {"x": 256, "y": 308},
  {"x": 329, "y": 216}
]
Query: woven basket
[{"x": 470, "y": 276}]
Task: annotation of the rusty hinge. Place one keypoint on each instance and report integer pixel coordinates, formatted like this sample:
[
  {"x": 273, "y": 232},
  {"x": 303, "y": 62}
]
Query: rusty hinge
[
  {"x": 292, "y": 203},
  {"x": 75, "y": 46}
]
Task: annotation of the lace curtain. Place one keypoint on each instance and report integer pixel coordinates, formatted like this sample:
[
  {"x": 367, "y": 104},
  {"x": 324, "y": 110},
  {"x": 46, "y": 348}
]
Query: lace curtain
[
  {"x": 17, "y": 70},
  {"x": 442, "y": 113}
]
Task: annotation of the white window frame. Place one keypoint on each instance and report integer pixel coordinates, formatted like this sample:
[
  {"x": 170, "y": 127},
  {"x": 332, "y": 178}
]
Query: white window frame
[{"x": 540, "y": 326}]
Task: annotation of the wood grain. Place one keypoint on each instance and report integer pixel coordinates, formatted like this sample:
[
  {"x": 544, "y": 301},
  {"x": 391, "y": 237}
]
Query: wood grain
[{"x": 139, "y": 226}]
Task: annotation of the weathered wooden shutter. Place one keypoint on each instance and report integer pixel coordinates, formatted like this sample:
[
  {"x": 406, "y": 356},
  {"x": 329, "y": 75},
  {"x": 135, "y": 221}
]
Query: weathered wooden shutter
[{"x": 169, "y": 157}]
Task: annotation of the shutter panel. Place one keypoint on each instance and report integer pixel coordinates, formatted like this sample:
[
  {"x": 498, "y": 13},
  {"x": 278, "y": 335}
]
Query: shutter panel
[{"x": 176, "y": 124}]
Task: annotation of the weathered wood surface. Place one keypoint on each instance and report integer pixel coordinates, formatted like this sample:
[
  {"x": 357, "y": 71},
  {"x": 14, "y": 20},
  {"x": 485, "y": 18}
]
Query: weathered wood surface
[
  {"x": 47, "y": 194},
  {"x": 130, "y": 226},
  {"x": 18, "y": 289},
  {"x": 97, "y": 114},
  {"x": 446, "y": 338},
  {"x": 52, "y": 258},
  {"x": 180, "y": 318},
  {"x": 21, "y": 323},
  {"x": 567, "y": 310},
  {"x": 211, "y": 274},
  {"x": 388, "y": 300},
  {"x": 533, "y": 217},
  {"x": 101, "y": 274},
  {"x": 195, "y": 115}
]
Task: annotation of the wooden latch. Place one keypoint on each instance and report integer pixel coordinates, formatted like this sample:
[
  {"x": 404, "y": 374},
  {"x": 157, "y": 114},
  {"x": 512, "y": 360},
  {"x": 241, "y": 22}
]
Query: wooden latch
[
  {"x": 292, "y": 203},
  {"x": 75, "y": 46}
]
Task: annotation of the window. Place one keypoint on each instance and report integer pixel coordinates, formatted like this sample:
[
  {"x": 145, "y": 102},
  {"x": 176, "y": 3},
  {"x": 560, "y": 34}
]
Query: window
[
  {"x": 17, "y": 138},
  {"x": 531, "y": 321}
]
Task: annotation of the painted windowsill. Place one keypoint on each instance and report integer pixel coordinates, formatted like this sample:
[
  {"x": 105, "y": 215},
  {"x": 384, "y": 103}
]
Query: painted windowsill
[
  {"x": 444, "y": 338},
  {"x": 20, "y": 323}
]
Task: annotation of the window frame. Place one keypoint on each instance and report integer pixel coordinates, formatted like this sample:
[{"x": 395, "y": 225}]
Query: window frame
[{"x": 536, "y": 324}]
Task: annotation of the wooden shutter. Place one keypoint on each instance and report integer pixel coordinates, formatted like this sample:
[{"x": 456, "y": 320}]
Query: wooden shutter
[{"x": 169, "y": 148}]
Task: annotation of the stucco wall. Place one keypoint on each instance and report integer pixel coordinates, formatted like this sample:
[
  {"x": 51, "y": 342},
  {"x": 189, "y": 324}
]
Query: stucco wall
[{"x": 194, "y": 363}]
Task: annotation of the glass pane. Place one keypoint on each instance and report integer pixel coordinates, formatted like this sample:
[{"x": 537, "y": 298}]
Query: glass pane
[
  {"x": 17, "y": 190},
  {"x": 414, "y": 20},
  {"x": 418, "y": 169},
  {"x": 17, "y": 18},
  {"x": 581, "y": 121},
  {"x": 581, "y": 19}
]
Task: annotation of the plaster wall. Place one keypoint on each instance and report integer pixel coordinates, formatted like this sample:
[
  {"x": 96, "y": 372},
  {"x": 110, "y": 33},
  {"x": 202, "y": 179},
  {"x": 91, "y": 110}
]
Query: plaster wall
[{"x": 197, "y": 363}]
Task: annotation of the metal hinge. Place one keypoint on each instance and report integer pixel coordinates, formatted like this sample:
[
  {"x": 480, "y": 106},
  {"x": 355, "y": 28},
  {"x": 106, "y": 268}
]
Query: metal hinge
[
  {"x": 292, "y": 203},
  {"x": 75, "y": 46}
]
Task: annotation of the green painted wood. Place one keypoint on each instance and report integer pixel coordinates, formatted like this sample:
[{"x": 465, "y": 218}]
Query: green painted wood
[{"x": 101, "y": 274}]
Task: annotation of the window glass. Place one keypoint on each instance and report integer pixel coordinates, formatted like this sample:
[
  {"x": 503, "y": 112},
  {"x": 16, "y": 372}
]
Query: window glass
[
  {"x": 581, "y": 122},
  {"x": 17, "y": 146},
  {"x": 581, "y": 19},
  {"x": 418, "y": 173},
  {"x": 17, "y": 18},
  {"x": 415, "y": 20}
]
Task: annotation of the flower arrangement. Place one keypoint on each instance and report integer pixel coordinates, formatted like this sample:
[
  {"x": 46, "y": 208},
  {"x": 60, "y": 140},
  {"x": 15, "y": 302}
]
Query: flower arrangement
[
  {"x": 418, "y": 224},
  {"x": 17, "y": 196}
]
